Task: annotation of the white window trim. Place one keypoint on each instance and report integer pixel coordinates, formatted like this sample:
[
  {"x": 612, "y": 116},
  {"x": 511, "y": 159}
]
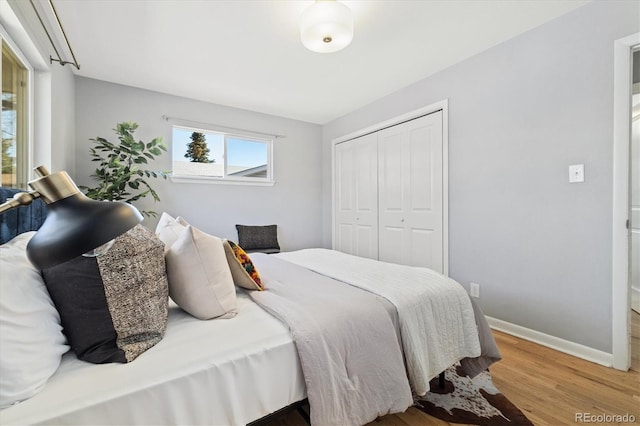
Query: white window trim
[
  {"x": 226, "y": 179},
  {"x": 222, "y": 181},
  {"x": 40, "y": 99},
  {"x": 30, "y": 149}
]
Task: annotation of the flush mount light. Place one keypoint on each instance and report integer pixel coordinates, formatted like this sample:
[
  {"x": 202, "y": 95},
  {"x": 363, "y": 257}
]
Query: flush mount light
[{"x": 326, "y": 26}]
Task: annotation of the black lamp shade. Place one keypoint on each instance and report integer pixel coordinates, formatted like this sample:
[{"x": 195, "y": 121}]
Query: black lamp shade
[{"x": 76, "y": 225}]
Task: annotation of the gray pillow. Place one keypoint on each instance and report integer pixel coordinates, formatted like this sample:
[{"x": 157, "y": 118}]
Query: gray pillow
[{"x": 258, "y": 238}]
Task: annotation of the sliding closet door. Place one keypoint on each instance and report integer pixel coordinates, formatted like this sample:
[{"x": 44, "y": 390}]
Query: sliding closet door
[
  {"x": 356, "y": 203},
  {"x": 410, "y": 185}
]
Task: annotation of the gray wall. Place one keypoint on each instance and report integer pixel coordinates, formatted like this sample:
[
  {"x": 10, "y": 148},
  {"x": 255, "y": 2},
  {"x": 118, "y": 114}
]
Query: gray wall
[
  {"x": 62, "y": 114},
  {"x": 520, "y": 114},
  {"x": 293, "y": 203}
]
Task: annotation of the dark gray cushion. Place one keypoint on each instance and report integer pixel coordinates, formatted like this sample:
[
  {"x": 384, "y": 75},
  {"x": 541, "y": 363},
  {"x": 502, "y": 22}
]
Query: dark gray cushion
[
  {"x": 258, "y": 238},
  {"x": 113, "y": 307}
]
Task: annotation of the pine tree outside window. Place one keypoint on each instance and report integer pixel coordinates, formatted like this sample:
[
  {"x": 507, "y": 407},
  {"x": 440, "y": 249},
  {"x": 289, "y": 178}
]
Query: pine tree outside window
[{"x": 197, "y": 150}]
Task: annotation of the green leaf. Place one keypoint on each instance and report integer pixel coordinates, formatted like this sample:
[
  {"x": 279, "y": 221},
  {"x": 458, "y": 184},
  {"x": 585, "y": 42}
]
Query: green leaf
[{"x": 117, "y": 176}]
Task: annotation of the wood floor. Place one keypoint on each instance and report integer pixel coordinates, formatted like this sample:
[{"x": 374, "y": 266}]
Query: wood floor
[{"x": 550, "y": 387}]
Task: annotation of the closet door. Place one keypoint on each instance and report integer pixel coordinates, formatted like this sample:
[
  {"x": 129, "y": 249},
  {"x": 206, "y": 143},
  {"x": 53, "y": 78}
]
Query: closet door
[
  {"x": 356, "y": 197},
  {"x": 410, "y": 193}
]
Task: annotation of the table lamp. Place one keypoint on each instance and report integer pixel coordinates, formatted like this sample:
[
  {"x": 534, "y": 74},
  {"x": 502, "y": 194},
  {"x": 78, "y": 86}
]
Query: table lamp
[{"x": 75, "y": 224}]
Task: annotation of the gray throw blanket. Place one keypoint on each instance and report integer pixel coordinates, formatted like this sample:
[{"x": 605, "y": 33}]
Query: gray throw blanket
[{"x": 346, "y": 340}]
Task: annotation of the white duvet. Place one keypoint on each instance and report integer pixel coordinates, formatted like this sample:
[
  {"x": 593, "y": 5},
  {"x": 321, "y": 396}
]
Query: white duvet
[
  {"x": 436, "y": 317},
  {"x": 220, "y": 372}
]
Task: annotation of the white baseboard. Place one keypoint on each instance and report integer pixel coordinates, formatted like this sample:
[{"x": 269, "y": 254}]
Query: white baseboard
[
  {"x": 571, "y": 348},
  {"x": 635, "y": 299}
]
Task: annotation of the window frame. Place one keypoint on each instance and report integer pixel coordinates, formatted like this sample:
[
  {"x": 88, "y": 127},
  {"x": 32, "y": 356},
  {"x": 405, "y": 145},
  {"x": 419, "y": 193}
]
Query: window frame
[
  {"x": 226, "y": 133},
  {"x": 24, "y": 151}
]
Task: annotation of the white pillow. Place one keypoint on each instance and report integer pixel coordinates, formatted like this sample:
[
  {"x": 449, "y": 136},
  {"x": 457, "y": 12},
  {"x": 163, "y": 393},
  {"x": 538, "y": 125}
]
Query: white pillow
[
  {"x": 169, "y": 229},
  {"x": 200, "y": 280},
  {"x": 31, "y": 339}
]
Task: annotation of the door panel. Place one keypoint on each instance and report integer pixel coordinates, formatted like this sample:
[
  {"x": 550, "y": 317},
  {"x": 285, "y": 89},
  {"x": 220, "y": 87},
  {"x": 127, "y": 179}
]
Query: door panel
[
  {"x": 366, "y": 182},
  {"x": 410, "y": 198},
  {"x": 344, "y": 170},
  {"x": 344, "y": 211},
  {"x": 391, "y": 240},
  {"x": 367, "y": 238},
  {"x": 344, "y": 237},
  {"x": 391, "y": 166},
  {"x": 421, "y": 169},
  {"x": 356, "y": 215},
  {"x": 421, "y": 246}
]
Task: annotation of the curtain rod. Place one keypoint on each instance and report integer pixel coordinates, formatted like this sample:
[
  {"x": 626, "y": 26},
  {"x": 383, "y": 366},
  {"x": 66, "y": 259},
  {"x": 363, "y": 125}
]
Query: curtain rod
[
  {"x": 51, "y": 58},
  {"x": 230, "y": 129}
]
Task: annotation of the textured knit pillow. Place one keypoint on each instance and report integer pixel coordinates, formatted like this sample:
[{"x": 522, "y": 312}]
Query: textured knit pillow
[
  {"x": 258, "y": 238},
  {"x": 113, "y": 307},
  {"x": 200, "y": 280},
  {"x": 31, "y": 338},
  {"x": 243, "y": 271}
]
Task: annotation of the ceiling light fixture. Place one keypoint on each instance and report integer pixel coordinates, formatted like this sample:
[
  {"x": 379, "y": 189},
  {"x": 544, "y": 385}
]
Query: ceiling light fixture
[{"x": 326, "y": 26}]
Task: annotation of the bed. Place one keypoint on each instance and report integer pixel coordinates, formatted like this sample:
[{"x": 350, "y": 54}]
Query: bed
[{"x": 242, "y": 369}]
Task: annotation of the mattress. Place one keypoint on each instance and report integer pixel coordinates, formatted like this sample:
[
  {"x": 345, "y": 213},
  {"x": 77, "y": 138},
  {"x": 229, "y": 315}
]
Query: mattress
[{"x": 216, "y": 372}]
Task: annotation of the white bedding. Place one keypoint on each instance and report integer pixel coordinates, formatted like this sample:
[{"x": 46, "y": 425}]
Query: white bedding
[
  {"x": 217, "y": 372},
  {"x": 233, "y": 371},
  {"x": 437, "y": 323}
]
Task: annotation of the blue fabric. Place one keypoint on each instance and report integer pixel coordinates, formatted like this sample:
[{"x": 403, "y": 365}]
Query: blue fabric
[{"x": 21, "y": 219}]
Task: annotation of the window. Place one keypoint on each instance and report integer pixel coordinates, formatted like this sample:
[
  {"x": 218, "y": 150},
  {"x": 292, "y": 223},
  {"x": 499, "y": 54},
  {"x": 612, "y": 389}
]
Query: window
[
  {"x": 14, "y": 121},
  {"x": 218, "y": 156}
]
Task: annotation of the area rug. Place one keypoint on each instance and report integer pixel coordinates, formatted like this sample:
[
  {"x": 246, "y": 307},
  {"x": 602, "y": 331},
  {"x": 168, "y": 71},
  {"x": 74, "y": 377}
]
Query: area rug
[{"x": 470, "y": 401}]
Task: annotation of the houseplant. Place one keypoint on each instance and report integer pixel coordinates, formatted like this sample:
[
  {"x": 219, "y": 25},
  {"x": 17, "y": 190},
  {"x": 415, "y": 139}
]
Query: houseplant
[{"x": 119, "y": 174}]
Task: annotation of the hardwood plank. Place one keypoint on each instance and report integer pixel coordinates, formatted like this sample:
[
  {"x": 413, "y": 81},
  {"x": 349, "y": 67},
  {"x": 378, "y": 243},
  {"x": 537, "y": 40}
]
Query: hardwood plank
[{"x": 549, "y": 387}]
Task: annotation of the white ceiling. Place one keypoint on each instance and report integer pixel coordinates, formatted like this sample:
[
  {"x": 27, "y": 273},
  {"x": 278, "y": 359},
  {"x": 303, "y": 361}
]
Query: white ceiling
[{"x": 248, "y": 54}]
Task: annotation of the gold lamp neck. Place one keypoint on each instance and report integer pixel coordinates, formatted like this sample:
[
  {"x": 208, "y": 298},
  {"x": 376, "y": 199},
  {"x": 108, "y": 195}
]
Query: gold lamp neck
[{"x": 53, "y": 187}]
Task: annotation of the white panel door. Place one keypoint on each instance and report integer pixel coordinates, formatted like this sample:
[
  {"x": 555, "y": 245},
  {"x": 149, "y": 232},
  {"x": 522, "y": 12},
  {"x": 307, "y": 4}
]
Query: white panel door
[
  {"x": 410, "y": 186},
  {"x": 356, "y": 203}
]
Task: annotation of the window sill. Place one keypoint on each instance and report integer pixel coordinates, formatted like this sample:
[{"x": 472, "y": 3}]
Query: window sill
[{"x": 221, "y": 181}]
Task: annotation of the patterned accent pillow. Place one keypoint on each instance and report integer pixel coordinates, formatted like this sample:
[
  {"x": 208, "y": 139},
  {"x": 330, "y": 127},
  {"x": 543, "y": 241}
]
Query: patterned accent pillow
[
  {"x": 113, "y": 307},
  {"x": 244, "y": 272}
]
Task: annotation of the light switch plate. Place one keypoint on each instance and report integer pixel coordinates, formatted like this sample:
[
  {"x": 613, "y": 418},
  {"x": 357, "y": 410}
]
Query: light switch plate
[{"x": 576, "y": 173}]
